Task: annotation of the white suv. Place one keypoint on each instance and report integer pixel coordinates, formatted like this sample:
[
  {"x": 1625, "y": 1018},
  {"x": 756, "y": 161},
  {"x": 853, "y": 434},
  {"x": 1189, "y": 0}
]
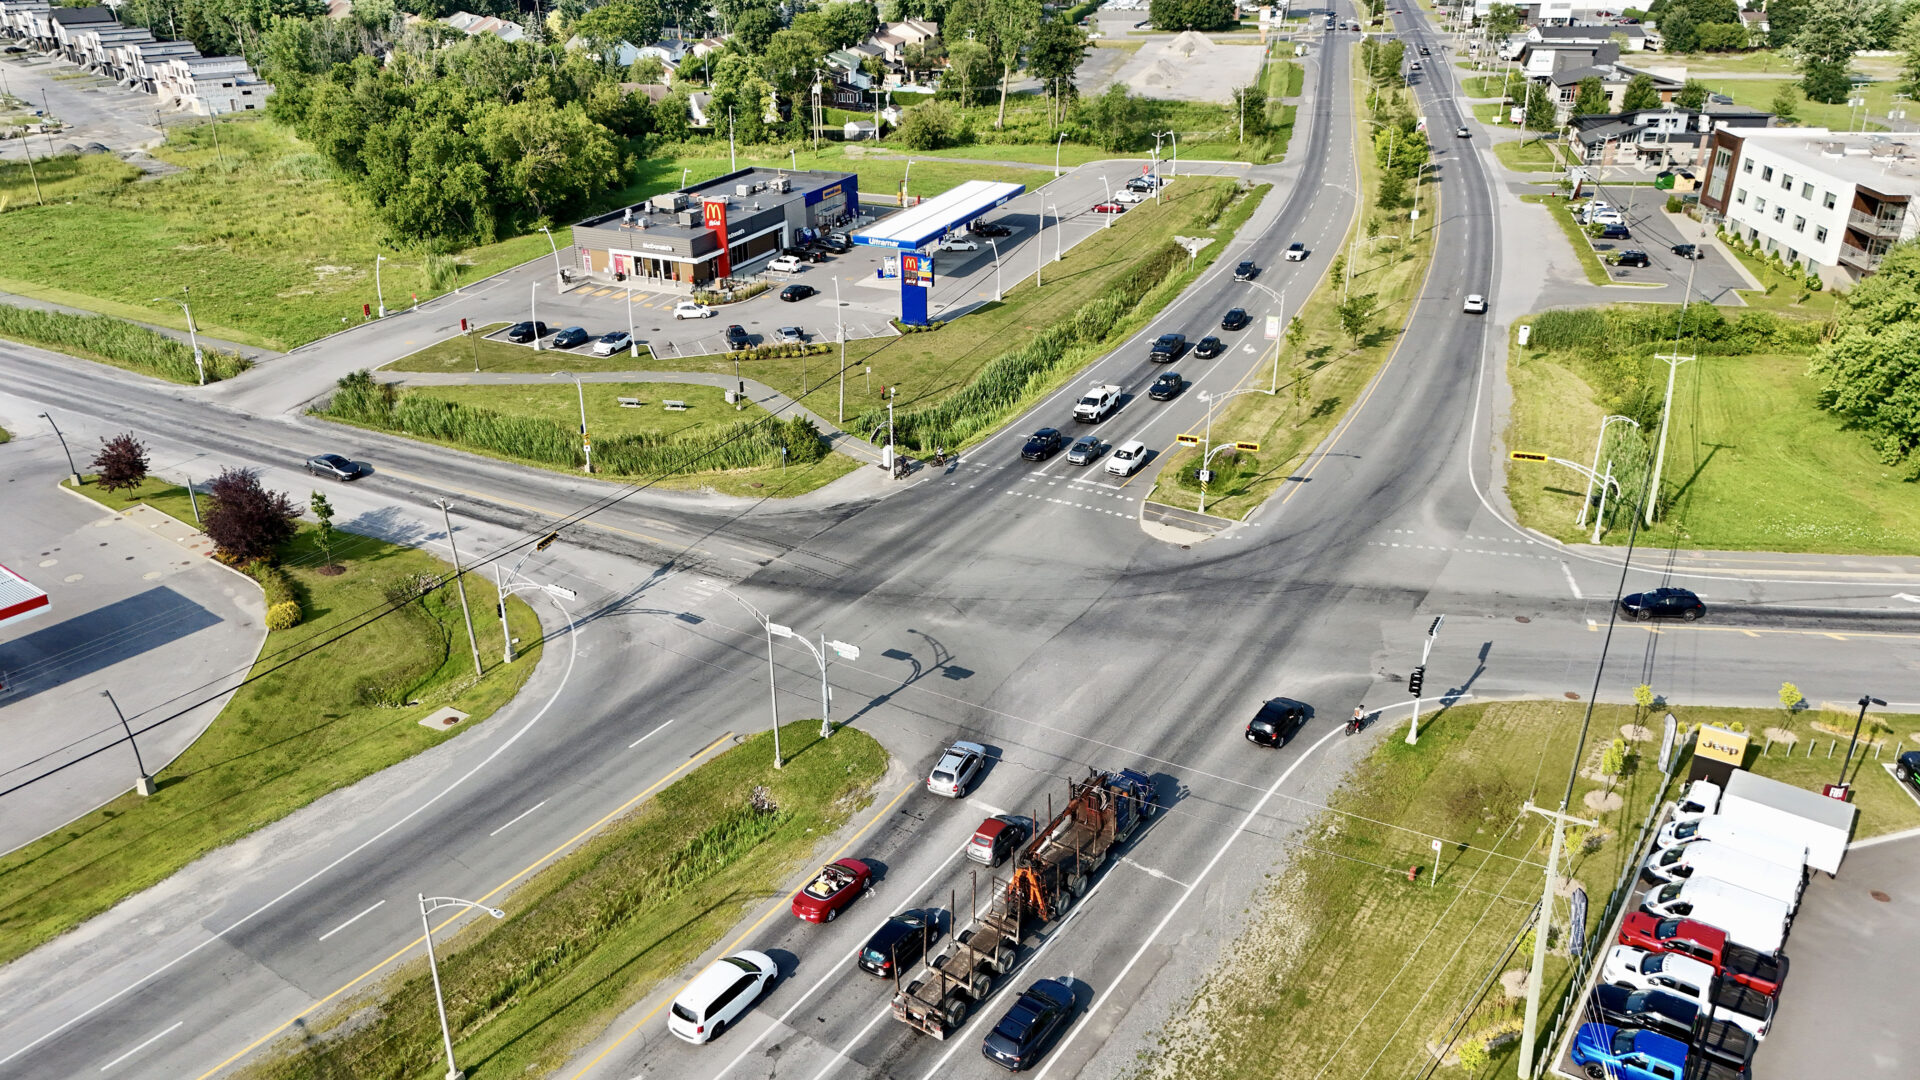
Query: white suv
[
  {"x": 1127, "y": 458},
  {"x": 687, "y": 309},
  {"x": 785, "y": 264}
]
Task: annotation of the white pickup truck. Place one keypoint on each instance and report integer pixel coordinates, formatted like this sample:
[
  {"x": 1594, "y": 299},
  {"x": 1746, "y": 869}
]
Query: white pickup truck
[{"x": 1097, "y": 402}]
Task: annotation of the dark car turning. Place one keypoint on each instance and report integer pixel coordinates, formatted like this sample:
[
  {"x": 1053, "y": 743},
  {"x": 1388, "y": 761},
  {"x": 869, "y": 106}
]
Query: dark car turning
[
  {"x": 1235, "y": 319},
  {"x": 1275, "y": 722},
  {"x": 1022, "y": 1034},
  {"x": 1043, "y": 444},
  {"x": 901, "y": 940},
  {"x": 570, "y": 337},
  {"x": 1668, "y": 603},
  {"x": 522, "y": 332},
  {"x": 1167, "y": 386},
  {"x": 333, "y": 465},
  {"x": 794, "y": 293},
  {"x": 1246, "y": 271},
  {"x": 1209, "y": 347}
]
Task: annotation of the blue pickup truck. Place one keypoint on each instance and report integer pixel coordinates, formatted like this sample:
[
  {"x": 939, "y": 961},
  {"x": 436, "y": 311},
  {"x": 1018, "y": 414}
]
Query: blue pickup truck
[{"x": 1610, "y": 1053}]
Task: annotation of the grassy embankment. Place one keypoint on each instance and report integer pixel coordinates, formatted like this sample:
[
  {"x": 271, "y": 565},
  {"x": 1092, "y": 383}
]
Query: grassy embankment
[
  {"x": 345, "y": 711},
  {"x": 600, "y": 929},
  {"x": 1349, "y": 969},
  {"x": 475, "y": 352},
  {"x": 1319, "y": 380},
  {"x": 1529, "y": 155}
]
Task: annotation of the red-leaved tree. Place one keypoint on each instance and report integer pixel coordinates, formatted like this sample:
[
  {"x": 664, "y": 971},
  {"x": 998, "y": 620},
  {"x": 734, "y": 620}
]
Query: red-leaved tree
[
  {"x": 247, "y": 521},
  {"x": 121, "y": 463}
]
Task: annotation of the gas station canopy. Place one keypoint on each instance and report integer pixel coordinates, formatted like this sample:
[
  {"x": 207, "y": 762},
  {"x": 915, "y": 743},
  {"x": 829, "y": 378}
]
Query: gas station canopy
[
  {"x": 20, "y": 599},
  {"x": 918, "y": 226}
]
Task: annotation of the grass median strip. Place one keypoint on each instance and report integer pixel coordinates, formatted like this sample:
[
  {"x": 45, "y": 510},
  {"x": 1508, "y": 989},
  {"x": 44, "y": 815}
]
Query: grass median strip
[
  {"x": 118, "y": 342},
  {"x": 604, "y": 926},
  {"x": 475, "y": 352},
  {"x": 294, "y": 734}
]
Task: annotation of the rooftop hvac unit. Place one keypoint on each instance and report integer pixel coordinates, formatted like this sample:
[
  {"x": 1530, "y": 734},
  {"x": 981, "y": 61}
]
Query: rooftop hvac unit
[
  {"x": 689, "y": 219},
  {"x": 668, "y": 202},
  {"x": 782, "y": 184},
  {"x": 743, "y": 190}
]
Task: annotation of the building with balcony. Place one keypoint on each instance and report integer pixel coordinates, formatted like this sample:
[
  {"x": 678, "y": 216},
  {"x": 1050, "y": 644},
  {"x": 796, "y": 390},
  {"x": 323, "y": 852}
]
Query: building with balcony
[{"x": 1833, "y": 202}]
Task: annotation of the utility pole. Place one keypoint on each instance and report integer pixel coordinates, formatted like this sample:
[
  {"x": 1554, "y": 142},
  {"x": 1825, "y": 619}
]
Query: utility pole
[
  {"x": 840, "y": 331},
  {"x": 1540, "y": 924},
  {"x": 1419, "y": 677},
  {"x": 459, "y": 580}
]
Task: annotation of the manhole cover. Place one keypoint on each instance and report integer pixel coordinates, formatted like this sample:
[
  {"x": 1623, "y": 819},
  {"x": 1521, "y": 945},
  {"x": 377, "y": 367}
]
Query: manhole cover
[
  {"x": 1880, "y": 896},
  {"x": 1521, "y": 618}
]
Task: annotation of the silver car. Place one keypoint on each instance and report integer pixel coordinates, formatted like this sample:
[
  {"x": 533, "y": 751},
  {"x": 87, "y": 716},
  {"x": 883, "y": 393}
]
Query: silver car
[{"x": 957, "y": 769}]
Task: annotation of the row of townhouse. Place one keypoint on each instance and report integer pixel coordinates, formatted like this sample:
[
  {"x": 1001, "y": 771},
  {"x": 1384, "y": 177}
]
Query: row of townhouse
[{"x": 174, "y": 71}]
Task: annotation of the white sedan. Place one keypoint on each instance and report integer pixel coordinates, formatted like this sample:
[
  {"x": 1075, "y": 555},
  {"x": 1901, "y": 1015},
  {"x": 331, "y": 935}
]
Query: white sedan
[
  {"x": 1475, "y": 305},
  {"x": 608, "y": 344},
  {"x": 687, "y": 309},
  {"x": 954, "y": 243},
  {"x": 1127, "y": 196}
]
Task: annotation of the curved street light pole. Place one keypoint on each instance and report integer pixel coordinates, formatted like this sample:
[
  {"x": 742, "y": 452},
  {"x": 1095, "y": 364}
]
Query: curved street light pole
[
  {"x": 1058, "y": 231},
  {"x": 773, "y": 693},
  {"x": 429, "y": 905},
  {"x": 1587, "y": 500},
  {"x": 73, "y": 471},
  {"x": 586, "y": 444}
]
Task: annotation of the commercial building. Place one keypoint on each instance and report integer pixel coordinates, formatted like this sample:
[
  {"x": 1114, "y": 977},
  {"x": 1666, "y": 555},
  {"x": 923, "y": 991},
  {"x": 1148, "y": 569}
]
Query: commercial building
[
  {"x": 1667, "y": 136},
  {"x": 1833, "y": 201},
  {"x": 723, "y": 228}
]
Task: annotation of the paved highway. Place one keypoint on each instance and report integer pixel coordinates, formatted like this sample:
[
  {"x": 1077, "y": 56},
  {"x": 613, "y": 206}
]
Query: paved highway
[{"x": 1013, "y": 604}]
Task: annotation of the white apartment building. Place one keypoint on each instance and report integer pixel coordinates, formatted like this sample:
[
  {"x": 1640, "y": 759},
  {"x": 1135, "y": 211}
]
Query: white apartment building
[{"x": 1835, "y": 201}]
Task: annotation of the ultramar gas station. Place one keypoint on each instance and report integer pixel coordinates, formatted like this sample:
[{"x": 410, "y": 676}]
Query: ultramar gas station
[{"x": 914, "y": 231}]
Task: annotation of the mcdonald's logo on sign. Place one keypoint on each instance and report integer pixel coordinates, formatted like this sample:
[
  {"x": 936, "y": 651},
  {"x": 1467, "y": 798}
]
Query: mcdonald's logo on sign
[{"x": 713, "y": 214}]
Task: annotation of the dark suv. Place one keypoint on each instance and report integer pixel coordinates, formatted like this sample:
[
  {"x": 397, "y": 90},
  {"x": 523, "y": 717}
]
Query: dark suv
[
  {"x": 522, "y": 332},
  {"x": 1634, "y": 258},
  {"x": 738, "y": 338},
  {"x": 1276, "y": 722},
  {"x": 902, "y": 941},
  {"x": 1167, "y": 348}
]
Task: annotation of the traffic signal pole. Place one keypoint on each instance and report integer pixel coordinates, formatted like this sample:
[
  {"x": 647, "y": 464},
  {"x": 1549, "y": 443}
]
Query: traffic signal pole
[{"x": 1419, "y": 677}]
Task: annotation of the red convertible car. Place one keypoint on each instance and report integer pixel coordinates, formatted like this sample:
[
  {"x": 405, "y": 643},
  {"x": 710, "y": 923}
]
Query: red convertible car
[
  {"x": 833, "y": 888},
  {"x": 1109, "y": 208}
]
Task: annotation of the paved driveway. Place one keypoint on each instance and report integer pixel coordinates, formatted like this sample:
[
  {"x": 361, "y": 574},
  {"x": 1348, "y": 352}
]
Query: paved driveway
[{"x": 93, "y": 107}]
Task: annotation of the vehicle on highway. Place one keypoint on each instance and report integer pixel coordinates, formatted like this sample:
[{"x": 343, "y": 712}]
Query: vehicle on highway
[
  {"x": 1235, "y": 319},
  {"x": 1097, "y": 403},
  {"x": 1296, "y": 252},
  {"x": 1415, "y": 66},
  {"x": 997, "y": 837},
  {"x": 1689, "y": 251},
  {"x": 785, "y": 264},
  {"x": 1907, "y": 768},
  {"x": 1042, "y": 444},
  {"x": 1126, "y": 196},
  {"x": 1611, "y": 1053},
  {"x": 1167, "y": 386},
  {"x": 738, "y": 338},
  {"x": 1127, "y": 458},
  {"x": 571, "y": 337},
  {"x": 1461, "y": 132},
  {"x": 1109, "y": 208},
  {"x": 1021, "y": 1036},
  {"x": 955, "y": 243},
  {"x": 1424, "y": 51},
  {"x": 1101, "y": 813},
  {"x": 719, "y": 995},
  {"x": 335, "y": 466},
  {"x": 1084, "y": 451},
  {"x": 1475, "y": 305},
  {"x": 1167, "y": 348},
  {"x": 1632, "y": 258},
  {"x": 1245, "y": 271},
  {"x": 1707, "y": 944},
  {"x": 790, "y": 335},
  {"x": 1662, "y": 603},
  {"x": 797, "y": 292},
  {"x": 612, "y": 342},
  {"x": 830, "y": 890},
  {"x": 522, "y": 332},
  {"x": 1276, "y": 722},
  {"x": 687, "y": 309},
  {"x": 900, "y": 942},
  {"x": 990, "y": 228},
  {"x": 958, "y": 767},
  {"x": 1209, "y": 347}
]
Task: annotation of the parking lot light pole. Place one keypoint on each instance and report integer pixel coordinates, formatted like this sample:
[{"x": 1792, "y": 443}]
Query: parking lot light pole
[
  {"x": 633, "y": 343},
  {"x": 1587, "y": 501},
  {"x": 586, "y": 443},
  {"x": 146, "y": 786},
  {"x": 429, "y": 905},
  {"x": 1865, "y": 700},
  {"x": 379, "y": 293},
  {"x": 1109, "y": 187},
  {"x": 1056, "y": 154},
  {"x": 996, "y": 274},
  {"x": 773, "y": 694},
  {"x": 559, "y": 277},
  {"x": 73, "y": 473},
  {"x": 1058, "y": 230},
  {"x": 533, "y": 312}
]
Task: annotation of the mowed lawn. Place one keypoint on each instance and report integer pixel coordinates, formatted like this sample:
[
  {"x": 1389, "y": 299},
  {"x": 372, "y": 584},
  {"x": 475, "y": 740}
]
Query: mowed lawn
[
  {"x": 476, "y": 352},
  {"x": 1756, "y": 464},
  {"x": 559, "y": 401},
  {"x": 1759, "y": 94}
]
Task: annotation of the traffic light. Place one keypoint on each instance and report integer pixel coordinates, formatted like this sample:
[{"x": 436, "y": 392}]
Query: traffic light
[
  {"x": 546, "y": 541},
  {"x": 1414, "y": 680}
]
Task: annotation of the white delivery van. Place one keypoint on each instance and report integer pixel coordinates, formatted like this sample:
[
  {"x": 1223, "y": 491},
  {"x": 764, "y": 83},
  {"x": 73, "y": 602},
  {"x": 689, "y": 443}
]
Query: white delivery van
[
  {"x": 1805, "y": 817},
  {"x": 1727, "y": 832},
  {"x": 1758, "y": 922},
  {"x": 1706, "y": 859}
]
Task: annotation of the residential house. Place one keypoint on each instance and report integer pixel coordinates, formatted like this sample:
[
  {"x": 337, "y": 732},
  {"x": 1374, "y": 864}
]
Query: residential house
[
  {"x": 892, "y": 39},
  {"x": 212, "y": 85},
  {"x": 1666, "y": 136},
  {"x": 65, "y": 25},
  {"x": 473, "y": 25}
]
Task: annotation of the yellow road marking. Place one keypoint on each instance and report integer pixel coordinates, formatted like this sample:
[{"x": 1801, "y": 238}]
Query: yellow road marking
[
  {"x": 409, "y": 946},
  {"x": 785, "y": 901},
  {"x": 555, "y": 514}
]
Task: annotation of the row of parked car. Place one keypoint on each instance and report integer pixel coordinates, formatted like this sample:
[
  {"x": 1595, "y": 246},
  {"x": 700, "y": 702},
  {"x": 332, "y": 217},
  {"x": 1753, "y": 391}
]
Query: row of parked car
[{"x": 1691, "y": 986}]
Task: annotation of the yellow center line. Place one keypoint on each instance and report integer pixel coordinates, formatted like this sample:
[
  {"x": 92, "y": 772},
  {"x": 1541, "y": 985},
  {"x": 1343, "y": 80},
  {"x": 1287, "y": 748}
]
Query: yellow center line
[
  {"x": 411, "y": 945},
  {"x": 541, "y": 510},
  {"x": 785, "y": 901}
]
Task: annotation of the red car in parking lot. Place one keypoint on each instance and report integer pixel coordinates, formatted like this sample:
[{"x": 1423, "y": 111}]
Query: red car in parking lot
[
  {"x": 833, "y": 888},
  {"x": 1689, "y": 937},
  {"x": 1109, "y": 208}
]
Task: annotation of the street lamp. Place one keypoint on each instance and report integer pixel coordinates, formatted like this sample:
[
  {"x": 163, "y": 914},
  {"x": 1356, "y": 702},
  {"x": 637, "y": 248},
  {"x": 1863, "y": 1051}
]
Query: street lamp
[
  {"x": 1056, "y": 154},
  {"x": 73, "y": 473},
  {"x": 904, "y": 177},
  {"x": 533, "y": 312},
  {"x": 633, "y": 343},
  {"x": 1208, "y": 449},
  {"x": 996, "y": 273},
  {"x": 193, "y": 335},
  {"x": 559, "y": 278},
  {"x": 146, "y": 785},
  {"x": 1865, "y": 700},
  {"x": 586, "y": 443},
  {"x": 683, "y": 177},
  {"x": 1352, "y": 249},
  {"x": 379, "y": 293},
  {"x": 507, "y": 586},
  {"x": 429, "y": 905},
  {"x": 1058, "y": 232},
  {"x": 773, "y": 694},
  {"x": 840, "y": 331},
  {"x": 851, "y": 652},
  {"x": 1109, "y": 187},
  {"x": 1673, "y": 365},
  {"x": 1281, "y": 299},
  {"x": 1587, "y": 501}
]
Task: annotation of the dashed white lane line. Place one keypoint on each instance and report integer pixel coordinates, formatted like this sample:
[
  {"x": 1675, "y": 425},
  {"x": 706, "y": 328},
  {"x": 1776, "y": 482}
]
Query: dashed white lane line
[
  {"x": 1151, "y": 872},
  {"x": 1571, "y": 584},
  {"x": 351, "y": 921},
  {"x": 1458, "y": 550},
  {"x": 649, "y": 735},
  {"x": 141, "y": 1047},
  {"x": 517, "y": 817}
]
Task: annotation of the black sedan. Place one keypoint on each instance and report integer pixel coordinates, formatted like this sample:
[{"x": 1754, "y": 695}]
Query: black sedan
[
  {"x": 1044, "y": 444},
  {"x": 738, "y": 338},
  {"x": 1276, "y": 722},
  {"x": 1246, "y": 271},
  {"x": 1020, "y": 1037},
  {"x": 522, "y": 332},
  {"x": 1907, "y": 768},
  {"x": 1235, "y": 319},
  {"x": 1209, "y": 347},
  {"x": 1085, "y": 450},
  {"x": 1167, "y": 386},
  {"x": 795, "y": 293},
  {"x": 333, "y": 465},
  {"x": 571, "y": 337},
  {"x": 901, "y": 941},
  {"x": 1668, "y": 603}
]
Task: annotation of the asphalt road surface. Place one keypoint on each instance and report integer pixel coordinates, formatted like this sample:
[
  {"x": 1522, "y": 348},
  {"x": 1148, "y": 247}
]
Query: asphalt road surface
[{"x": 1013, "y": 604}]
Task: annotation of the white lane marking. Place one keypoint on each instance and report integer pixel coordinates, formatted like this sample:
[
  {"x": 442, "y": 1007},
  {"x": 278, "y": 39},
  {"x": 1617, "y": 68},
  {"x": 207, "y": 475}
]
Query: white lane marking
[
  {"x": 350, "y": 922},
  {"x": 565, "y": 678},
  {"x": 649, "y": 735},
  {"x": 1908, "y": 597},
  {"x": 1060, "y": 1050},
  {"x": 1571, "y": 584},
  {"x": 522, "y": 814},
  {"x": 992, "y": 811},
  {"x": 141, "y": 1047},
  {"x": 1151, "y": 872}
]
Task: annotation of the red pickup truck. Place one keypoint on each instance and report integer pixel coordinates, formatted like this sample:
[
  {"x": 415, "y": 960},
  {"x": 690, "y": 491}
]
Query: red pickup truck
[{"x": 1687, "y": 937}]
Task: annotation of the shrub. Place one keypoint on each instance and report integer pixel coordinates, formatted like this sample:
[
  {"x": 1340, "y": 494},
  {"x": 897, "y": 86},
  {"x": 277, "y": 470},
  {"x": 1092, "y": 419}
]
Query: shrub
[
  {"x": 283, "y": 616},
  {"x": 121, "y": 463},
  {"x": 118, "y": 342},
  {"x": 274, "y": 582},
  {"x": 1474, "y": 1056},
  {"x": 1674, "y": 204},
  {"x": 443, "y": 272},
  {"x": 246, "y": 521},
  {"x": 1815, "y": 283}
]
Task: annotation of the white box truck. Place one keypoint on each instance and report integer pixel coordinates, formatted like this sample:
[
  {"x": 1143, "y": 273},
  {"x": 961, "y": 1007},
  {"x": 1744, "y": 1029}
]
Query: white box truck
[
  {"x": 1706, "y": 859},
  {"x": 1800, "y": 816},
  {"x": 1727, "y": 832},
  {"x": 1758, "y": 922}
]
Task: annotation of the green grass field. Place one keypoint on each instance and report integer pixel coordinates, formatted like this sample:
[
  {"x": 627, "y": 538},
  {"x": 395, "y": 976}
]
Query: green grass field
[
  {"x": 1755, "y": 464},
  {"x": 283, "y": 740},
  {"x": 1528, "y": 155},
  {"x": 560, "y": 402},
  {"x": 598, "y": 930},
  {"x": 1786, "y": 294},
  {"x": 1759, "y": 94}
]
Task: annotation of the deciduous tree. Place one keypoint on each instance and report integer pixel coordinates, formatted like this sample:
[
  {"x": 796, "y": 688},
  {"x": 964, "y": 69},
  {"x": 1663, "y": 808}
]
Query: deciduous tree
[
  {"x": 1693, "y": 95},
  {"x": 1869, "y": 372},
  {"x": 121, "y": 463},
  {"x": 1834, "y": 30},
  {"x": 1591, "y": 98},
  {"x": 1639, "y": 94},
  {"x": 245, "y": 521},
  {"x": 1055, "y": 54},
  {"x": 323, "y": 515},
  {"x": 636, "y": 22},
  {"x": 1540, "y": 112}
]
